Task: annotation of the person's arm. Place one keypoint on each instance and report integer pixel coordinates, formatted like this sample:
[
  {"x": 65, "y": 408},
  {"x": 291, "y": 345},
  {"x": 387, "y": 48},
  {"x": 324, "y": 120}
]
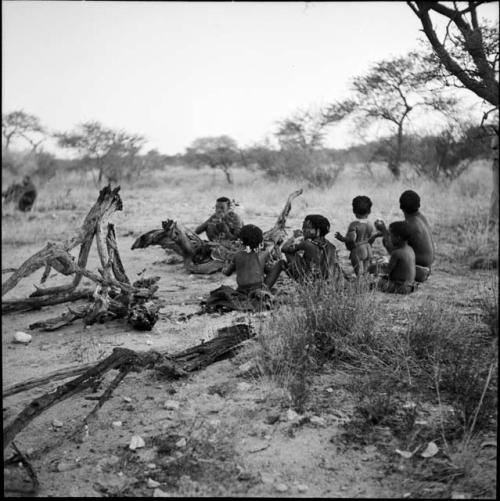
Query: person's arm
[
  {"x": 393, "y": 261},
  {"x": 202, "y": 227},
  {"x": 339, "y": 236},
  {"x": 374, "y": 237},
  {"x": 290, "y": 247},
  {"x": 229, "y": 267},
  {"x": 350, "y": 236},
  {"x": 386, "y": 241},
  {"x": 234, "y": 225}
]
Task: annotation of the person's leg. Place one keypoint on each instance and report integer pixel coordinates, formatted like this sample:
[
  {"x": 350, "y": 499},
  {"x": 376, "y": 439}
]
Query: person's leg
[{"x": 422, "y": 273}]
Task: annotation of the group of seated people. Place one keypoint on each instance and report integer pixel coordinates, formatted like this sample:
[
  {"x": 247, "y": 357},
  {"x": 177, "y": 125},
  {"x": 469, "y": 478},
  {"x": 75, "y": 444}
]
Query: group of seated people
[{"x": 310, "y": 255}]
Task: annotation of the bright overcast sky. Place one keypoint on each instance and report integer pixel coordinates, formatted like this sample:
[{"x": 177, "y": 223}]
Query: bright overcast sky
[{"x": 175, "y": 71}]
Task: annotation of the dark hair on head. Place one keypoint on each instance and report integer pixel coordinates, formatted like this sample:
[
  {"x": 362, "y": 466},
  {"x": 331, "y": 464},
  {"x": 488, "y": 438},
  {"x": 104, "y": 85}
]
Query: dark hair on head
[
  {"x": 319, "y": 222},
  {"x": 400, "y": 229},
  {"x": 409, "y": 201},
  {"x": 251, "y": 235},
  {"x": 361, "y": 205},
  {"x": 224, "y": 199}
]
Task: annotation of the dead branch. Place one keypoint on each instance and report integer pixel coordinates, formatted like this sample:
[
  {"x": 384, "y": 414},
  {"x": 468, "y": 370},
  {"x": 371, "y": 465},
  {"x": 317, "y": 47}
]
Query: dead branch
[
  {"x": 116, "y": 262},
  {"x": 35, "y": 303},
  {"x": 62, "y": 320},
  {"x": 20, "y": 457},
  {"x": 119, "y": 358},
  {"x": 49, "y": 378},
  {"x": 106, "y": 395},
  {"x": 107, "y": 202},
  {"x": 126, "y": 360}
]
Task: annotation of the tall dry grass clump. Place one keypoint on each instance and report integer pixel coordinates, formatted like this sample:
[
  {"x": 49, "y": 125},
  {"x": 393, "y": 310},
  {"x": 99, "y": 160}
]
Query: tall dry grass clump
[
  {"x": 321, "y": 321},
  {"x": 453, "y": 355}
]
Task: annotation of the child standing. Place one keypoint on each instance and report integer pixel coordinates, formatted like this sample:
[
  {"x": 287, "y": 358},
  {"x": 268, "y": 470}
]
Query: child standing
[{"x": 358, "y": 237}]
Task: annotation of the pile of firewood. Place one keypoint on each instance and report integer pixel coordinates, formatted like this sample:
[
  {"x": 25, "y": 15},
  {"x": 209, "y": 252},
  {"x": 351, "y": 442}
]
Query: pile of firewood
[{"x": 113, "y": 297}]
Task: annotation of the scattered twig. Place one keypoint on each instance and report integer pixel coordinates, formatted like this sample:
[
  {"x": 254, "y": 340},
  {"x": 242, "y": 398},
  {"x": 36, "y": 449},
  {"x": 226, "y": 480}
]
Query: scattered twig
[{"x": 29, "y": 468}]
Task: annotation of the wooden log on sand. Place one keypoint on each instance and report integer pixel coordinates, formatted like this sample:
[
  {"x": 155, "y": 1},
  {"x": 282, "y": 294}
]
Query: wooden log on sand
[{"x": 125, "y": 360}]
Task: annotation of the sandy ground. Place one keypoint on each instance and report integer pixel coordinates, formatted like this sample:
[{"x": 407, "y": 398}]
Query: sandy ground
[{"x": 227, "y": 432}]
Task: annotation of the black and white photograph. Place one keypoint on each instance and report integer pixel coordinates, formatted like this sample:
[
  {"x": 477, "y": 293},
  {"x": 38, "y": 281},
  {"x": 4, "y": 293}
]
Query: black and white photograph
[{"x": 250, "y": 249}]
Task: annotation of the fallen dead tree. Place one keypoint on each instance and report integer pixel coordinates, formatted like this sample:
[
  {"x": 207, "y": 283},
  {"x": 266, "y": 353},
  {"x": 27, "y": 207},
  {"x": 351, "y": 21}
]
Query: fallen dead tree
[
  {"x": 204, "y": 257},
  {"x": 125, "y": 361},
  {"x": 114, "y": 296}
]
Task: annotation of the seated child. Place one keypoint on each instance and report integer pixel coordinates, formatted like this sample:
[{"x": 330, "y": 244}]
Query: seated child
[
  {"x": 313, "y": 256},
  {"x": 401, "y": 268},
  {"x": 357, "y": 238},
  {"x": 251, "y": 265},
  {"x": 224, "y": 224}
]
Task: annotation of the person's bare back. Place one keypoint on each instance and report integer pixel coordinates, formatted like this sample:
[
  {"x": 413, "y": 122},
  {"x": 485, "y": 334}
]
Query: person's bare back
[
  {"x": 249, "y": 268},
  {"x": 420, "y": 239},
  {"x": 402, "y": 265},
  {"x": 252, "y": 267}
]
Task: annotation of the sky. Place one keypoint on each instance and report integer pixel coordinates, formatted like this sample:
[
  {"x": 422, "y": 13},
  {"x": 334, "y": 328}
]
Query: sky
[{"x": 177, "y": 71}]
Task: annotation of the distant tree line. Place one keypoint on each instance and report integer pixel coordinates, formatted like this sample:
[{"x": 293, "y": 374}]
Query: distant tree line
[{"x": 391, "y": 95}]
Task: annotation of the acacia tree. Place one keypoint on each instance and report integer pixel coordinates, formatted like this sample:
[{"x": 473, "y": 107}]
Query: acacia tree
[
  {"x": 389, "y": 92},
  {"x": 216, "y": 152},
  {"x": 302, "y": 155},
  {"x": 21, "y": 125},
  {"x": 469, "y": 52},
  {"x": 108, "y": 150}
]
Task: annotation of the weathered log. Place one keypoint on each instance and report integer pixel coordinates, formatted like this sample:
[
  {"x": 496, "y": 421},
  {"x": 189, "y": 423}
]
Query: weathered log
[
  {"x": 107, "y": 202},
  {"x": 116, "y": 262},
  {"x": 125, "y": 360},
  {"x": 115, "y": 308},
  {"x": 119, "y": 359},
  {"x": 35, "y": 303},
  {"x": 62, "y": 320},
  {"x": 276, "y": 232},
  {"x": 48, "y": 378},
  {"x": 222, "y": 343}
]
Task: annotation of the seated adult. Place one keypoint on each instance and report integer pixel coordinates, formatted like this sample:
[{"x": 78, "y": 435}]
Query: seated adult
[
  {"x": 420, "y": 236},
  {"x": 224, "y": 224}
]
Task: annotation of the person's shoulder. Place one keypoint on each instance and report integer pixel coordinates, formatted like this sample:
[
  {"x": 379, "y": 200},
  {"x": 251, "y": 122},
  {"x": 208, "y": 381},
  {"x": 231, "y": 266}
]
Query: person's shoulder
[
  {"x": 407, "y": 250},
  {"x": 330, "y": 245}
]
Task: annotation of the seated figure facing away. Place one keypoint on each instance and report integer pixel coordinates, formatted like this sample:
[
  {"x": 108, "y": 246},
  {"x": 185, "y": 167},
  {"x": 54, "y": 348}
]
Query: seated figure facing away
[
  {"x": 23, "y": 195},
  {"x": 252, "y": 265},
  {"x": 313, "y": 256},
  {"x": 420, "y": 237},
  {"x": 224, "y": 224},
  {"x": 357, "y": 239},
  {"x": 401, "y": 269}
]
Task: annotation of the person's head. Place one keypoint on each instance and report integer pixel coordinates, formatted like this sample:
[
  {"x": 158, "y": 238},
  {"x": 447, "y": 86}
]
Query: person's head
[
  {"x": 399, "y": 233},
  {"x": 361, "y": 206},
  {"x": 222, "y": 205},
  {"x": 315, "y": 225},
  {"x": 26, "y": 180},
  {"x": 409, "y": 202},
  {"x": 251, "y": 236}
]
